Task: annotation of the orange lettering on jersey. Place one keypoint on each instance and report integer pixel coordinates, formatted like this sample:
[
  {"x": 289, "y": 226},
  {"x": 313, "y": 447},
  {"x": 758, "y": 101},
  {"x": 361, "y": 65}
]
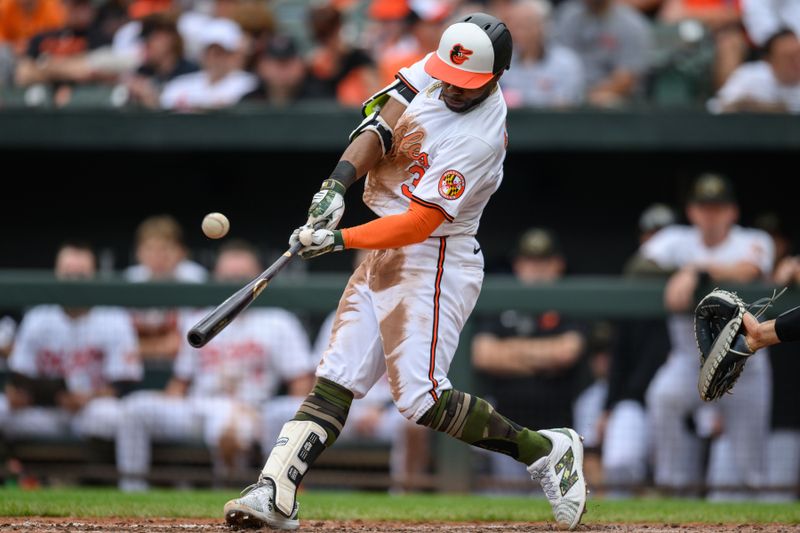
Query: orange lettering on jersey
[
  {"x": 63, "y": 45},
  {"x": 417, "y": 169},
  {"x": 405, "y": 161},
  {"x": 410, "y": 148},
  {"x": 452, "y": 184}
]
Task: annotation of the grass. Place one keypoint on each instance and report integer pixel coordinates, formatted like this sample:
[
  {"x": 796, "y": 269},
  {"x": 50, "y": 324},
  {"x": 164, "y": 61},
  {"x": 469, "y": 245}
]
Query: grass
[{"x": 332, "y": 505}]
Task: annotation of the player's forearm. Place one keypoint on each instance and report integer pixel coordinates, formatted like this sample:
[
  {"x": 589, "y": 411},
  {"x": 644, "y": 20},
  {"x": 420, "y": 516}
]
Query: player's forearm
[
  {"x": 560, "y": 351},
  {"x": 366, "y": 150},
  {"x": 28, "y": 73},
  {"x": 527, "y": 356},
  {"x": 394, "y": 231},
  {"x": 741, "y": 272},
  {"x": 362, "y": 154},
  {"x": 177, "y": 387},
  {"x": 495, "y": 356},
  {"x": 17, "y": 398},
  {"x": 621, "y": 82}
]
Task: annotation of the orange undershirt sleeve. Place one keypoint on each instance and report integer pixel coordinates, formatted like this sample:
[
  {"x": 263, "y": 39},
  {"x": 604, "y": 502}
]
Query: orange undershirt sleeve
[{"x": 395, "y": 231}]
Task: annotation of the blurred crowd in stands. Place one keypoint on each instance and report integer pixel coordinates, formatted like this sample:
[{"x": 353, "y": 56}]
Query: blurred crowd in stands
[
  {"x": 724, "y": 55},
  {"x": 629, "y": 386}
]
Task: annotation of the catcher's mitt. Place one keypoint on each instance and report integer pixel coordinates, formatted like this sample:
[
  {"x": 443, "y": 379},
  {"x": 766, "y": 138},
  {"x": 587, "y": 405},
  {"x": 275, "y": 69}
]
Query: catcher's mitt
[{"x": 721, "y": 339}]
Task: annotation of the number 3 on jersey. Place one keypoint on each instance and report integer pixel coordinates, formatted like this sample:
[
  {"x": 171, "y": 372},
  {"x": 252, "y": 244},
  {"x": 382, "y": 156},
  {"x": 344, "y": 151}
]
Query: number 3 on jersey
[{"x": 417, "y": 169}]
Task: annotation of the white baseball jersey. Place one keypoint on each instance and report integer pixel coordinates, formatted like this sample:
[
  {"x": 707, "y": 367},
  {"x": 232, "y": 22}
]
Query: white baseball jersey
[
  {"x": 187, "y": 271},
  {"x": 249, "y": 359},
  {"x": 763, "y": 18},
  {"x": 451, "y": 165},
  {"x": 89, "y": 351},
  {"x": 195, "y": 90},
  {"x": 554, "y": 80},
  {"x": 403, "y": 309},
  {"x": 676, "y": 246},
  {"x": 756, "y": 81}
]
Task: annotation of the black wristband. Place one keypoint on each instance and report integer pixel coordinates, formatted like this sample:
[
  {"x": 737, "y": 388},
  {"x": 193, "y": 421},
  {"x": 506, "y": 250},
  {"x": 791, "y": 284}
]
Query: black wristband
[
  {"x": 344, "y": 173},
  {"x": 787, "y": 325}
]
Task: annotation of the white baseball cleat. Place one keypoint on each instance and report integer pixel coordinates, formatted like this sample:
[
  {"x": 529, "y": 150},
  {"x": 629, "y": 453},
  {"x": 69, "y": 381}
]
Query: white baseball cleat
[
  {"x": 561, "y": 476},
  {"x": 256, "y": 509}
]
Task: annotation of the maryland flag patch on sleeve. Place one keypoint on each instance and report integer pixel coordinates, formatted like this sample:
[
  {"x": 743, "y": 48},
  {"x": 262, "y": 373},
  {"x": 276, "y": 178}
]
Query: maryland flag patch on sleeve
[{"x": 452, "y": 185}]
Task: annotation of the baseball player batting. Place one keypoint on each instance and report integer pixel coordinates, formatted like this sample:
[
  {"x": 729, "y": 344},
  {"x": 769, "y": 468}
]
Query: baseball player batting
[{"x": 432, "y": 145}]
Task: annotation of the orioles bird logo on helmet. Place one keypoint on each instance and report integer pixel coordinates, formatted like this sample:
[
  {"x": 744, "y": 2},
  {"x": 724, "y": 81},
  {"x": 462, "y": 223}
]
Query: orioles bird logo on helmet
[{"x": 459, "y": 54}]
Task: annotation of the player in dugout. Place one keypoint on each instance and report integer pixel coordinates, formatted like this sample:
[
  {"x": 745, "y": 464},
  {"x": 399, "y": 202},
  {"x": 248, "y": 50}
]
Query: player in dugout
[{"x": 433, "y": 145}]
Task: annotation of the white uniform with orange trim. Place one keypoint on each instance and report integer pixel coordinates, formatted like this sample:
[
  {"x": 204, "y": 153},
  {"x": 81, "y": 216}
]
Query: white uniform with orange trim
[
  {"x": 231, "y": 379},
  {"x": 89, "y": 352},
  {"x": 403, "y": 309}
]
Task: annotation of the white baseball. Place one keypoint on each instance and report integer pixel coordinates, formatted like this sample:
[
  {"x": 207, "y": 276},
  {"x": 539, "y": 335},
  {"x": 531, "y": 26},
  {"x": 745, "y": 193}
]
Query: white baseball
[
  {"x": 306, "y": 237},
  {"x": 216, "y": 225}
]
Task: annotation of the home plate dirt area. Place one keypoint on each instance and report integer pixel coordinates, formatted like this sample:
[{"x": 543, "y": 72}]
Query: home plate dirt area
[{"x": 191, "y": 525}]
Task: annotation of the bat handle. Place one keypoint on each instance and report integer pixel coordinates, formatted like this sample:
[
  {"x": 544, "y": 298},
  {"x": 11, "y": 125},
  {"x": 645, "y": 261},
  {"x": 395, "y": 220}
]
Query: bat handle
[{"x": 296, "y": 247}]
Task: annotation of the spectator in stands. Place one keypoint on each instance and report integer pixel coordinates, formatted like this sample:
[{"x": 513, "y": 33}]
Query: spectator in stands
[
  {"x": 652, "y": 219},
  {"x": 724, "y": 20},
  {"x": 765, "y": 18},
  {"x": 639, "y": 348},
  {"x": 283, "y": 75},
  {"x": 221, "y": 83},
  {"x": 129, "y": 39},
  {"x": 22, "y": 19},
  {"x": 217, "y": 391},
  {"x": 342, "y": 72},
  {"x": 161, "y": 254},
  {"x": 69, "y": 365},
  {"x": 770, "y": 85},
  {"x": 531, "y": 361},
  {"x": 162, "y": 62},
  {"x": 542, "y": 74},
  {"x": 58, "y": 56},
  {"x": 387, "y": 35},
  {"x": 402, "y": 32},
  {"x": 613, "y": 40},
  {"x": 258, "y": 25},
  {"x": 717, "y": 249},
  {"x": 373, "y": 418}
]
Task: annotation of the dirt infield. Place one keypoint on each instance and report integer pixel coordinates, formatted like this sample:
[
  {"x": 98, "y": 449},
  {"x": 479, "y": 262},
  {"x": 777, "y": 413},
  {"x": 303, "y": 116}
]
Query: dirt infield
[{"x": 114, "y": 525}]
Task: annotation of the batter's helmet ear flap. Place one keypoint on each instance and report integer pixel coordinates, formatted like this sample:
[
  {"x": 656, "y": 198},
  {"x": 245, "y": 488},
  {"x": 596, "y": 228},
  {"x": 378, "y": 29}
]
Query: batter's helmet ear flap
[{"x": 499, "y": 35}]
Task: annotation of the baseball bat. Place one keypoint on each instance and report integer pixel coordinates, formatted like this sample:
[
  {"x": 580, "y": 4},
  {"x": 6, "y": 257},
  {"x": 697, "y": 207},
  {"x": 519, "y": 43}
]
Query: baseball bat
[{"x": 222, "y": 315}]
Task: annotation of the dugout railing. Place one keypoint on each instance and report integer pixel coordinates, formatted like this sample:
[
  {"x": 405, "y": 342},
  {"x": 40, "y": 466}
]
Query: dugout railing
[{"x": 592, "y": 298}]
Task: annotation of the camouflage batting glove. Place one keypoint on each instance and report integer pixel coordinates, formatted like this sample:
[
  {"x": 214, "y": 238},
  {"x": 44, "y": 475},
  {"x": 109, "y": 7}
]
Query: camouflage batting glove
[
  {"x": 327, "y": 205},
  {"x": 318, "y": 242}
]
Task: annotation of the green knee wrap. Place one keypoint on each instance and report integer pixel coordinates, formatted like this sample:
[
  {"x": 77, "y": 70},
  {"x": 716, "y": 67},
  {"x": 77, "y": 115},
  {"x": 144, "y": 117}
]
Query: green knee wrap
[
  {"x": 328, "y": 405},
  {"x": 472, "y": 420}
]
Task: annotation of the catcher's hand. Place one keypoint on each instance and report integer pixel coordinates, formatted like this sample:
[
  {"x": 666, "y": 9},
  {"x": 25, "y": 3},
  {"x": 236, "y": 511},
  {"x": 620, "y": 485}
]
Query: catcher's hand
[{"x": 720, "y": 335}]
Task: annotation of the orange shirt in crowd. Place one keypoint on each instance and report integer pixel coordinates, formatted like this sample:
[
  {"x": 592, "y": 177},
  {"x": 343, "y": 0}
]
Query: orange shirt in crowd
[
  {"x": 709, "y": 4},
  {"x": 388, "y": 67},
  {"x": 18, "y": 24}
]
